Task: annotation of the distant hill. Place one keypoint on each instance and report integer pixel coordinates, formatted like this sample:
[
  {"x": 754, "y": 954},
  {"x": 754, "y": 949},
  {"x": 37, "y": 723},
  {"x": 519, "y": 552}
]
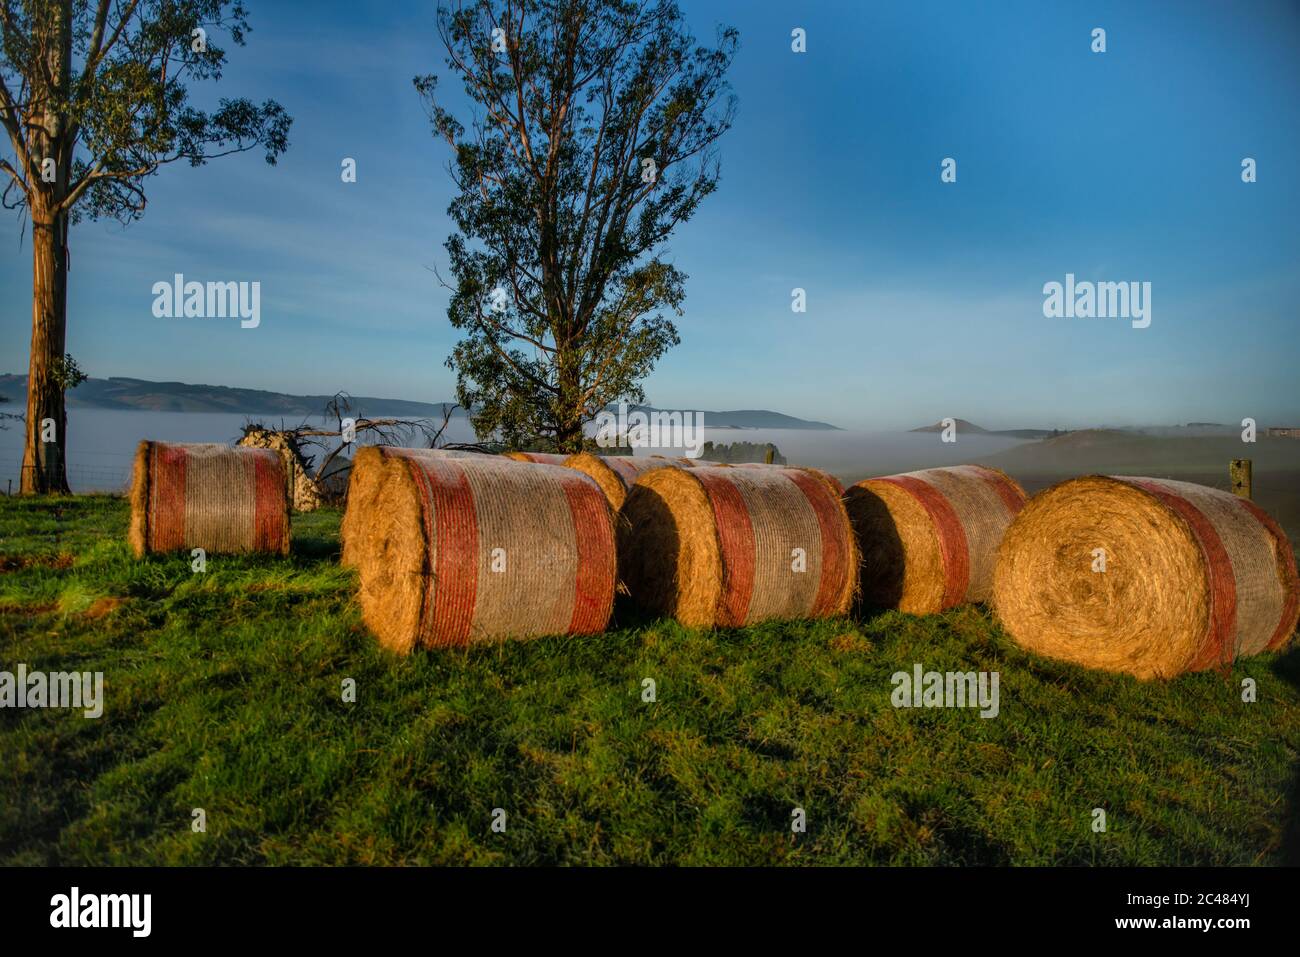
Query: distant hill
[
  {"x": 963, "y": 428},
  {"x": 1109, "y": 451},
  {"x": 142, "y": 395},
  {"x": 757, "y": 419},
  {"x": 970, "y": 428},
  {"x": 1090, "y": 438},
  {"x": 119, "y": 392}
]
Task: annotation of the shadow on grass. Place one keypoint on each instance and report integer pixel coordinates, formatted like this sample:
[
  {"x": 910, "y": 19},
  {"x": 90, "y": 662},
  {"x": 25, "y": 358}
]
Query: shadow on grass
[
  {"x": 314, "y": 549},
  {"x": 314, "y": 537},
  {"x": 1288, "y": 669}
]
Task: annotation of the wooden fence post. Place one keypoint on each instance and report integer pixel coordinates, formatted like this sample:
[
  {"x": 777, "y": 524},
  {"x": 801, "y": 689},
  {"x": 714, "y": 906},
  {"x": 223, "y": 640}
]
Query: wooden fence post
[{"x": 1239, "y": 474}]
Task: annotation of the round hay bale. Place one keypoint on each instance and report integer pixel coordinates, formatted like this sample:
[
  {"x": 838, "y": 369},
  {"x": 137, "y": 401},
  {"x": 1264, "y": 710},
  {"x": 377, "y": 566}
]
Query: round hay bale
[
  {"x": 538, "y": 458},
  {"x": 305, "y": 494},
  {"x": 366, "y": 479},
  {"x": 929, "y": 539},
  {"x": 826, "y": 477},
  {"x": 679, "y": 460},
  {"x": 224, "y": 500},
  {"x": 461, "y": 550},
  {"x": 717, "y": 547},
  {"x": 615, "y": 474},
  {"x": 1193, "y": 576}
]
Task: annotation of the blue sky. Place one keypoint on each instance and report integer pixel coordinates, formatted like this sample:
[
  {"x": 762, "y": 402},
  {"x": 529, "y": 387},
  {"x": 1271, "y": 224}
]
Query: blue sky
[{"x": 924, "y": 299}]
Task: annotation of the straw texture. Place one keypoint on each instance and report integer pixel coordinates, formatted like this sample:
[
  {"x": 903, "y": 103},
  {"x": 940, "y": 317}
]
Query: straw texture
[
  {"x": 464, "y": 550},
  {"x": 717, "y": 547},
  {"x": 538, "y": 458},
  {"x": 615, "y": 474},
  {"x": 365, "y": 480},
  {"x": 929, "y": 539},
  {"x": 1194, "y": 577},
  {"x": 221, "y": 499},
  {"x": 826, "y": 477}
]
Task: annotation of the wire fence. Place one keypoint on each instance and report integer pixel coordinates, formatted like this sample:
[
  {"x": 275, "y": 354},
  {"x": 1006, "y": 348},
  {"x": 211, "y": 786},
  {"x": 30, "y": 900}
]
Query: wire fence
[{"x": 111, "y": 474}]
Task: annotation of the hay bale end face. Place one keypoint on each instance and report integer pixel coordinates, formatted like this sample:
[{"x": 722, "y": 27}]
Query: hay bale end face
[
  {"x": 929, "y": 539},
  {"x": 1151, "y": 577},
  {"x": 731, "y": 547},
  {"x": 221, "y": 499},
  {"x": 457, "y": 551},
  {"x": 365, "y": 480},
  {"x": 615, "y": 474}
]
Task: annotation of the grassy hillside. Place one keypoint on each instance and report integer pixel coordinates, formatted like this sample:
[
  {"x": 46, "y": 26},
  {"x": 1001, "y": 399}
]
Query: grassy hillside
[
  {"x": 223, "y": 693},
  {"x": 1133, "y": 453}
]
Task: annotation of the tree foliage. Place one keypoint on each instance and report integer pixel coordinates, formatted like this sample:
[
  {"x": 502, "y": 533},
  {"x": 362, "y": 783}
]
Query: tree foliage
[
  {"x": 590, "y": 138},
  {"x": 101, "y": 88}
]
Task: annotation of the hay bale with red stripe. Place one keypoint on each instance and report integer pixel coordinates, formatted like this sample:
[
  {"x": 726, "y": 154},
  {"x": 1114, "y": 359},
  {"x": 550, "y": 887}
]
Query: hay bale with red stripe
[
  {"x": 224, "y": 500},
  {"x": 1146, "y": 576},
  {"x": 460, "y": 551},
  {"x": 538, "y": 458},
  {"x": 366, "y": 479},
  {"x": 731, "y": 547},
  {"x": 929, "y": 539},
  {"x": 826, "y": 477},
  {"x": 616, "y": 474}
]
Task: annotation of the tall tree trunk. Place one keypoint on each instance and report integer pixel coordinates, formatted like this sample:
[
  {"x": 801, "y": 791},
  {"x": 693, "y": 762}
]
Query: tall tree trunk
[
  {"x": 568, "y": 426},
  {"x": 44, "y": 462},
  {"x": 50, "y": 140}
]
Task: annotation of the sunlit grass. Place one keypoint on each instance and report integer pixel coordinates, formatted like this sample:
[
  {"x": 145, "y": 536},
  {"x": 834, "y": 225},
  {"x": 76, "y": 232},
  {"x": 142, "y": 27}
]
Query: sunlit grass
[{"x": 223, "y": 692}]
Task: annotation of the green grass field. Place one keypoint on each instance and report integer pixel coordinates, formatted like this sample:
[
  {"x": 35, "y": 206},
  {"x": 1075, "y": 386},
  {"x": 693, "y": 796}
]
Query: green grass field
[{"x": 223, "y": 692}]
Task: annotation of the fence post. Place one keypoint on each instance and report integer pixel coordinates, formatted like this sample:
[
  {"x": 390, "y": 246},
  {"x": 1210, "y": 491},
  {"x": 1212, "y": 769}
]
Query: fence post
[{"x": 1239, "y": 473}]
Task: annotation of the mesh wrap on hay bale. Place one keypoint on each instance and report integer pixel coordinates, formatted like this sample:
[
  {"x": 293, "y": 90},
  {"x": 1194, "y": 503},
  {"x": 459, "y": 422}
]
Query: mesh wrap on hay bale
[
  {"x": 366, "y": 478},
  {"x": 714, "y": 547},
  {"x": 929, "y": 539},
  {"x": 224, "y": 500},
  {"x": 1194, "y": 577},
  {"x": 615, "y": 474},
  {"x": 826, "y": 477},
  {"x": 538, "y": 458},
  {"x": 428, "y": 560}
]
